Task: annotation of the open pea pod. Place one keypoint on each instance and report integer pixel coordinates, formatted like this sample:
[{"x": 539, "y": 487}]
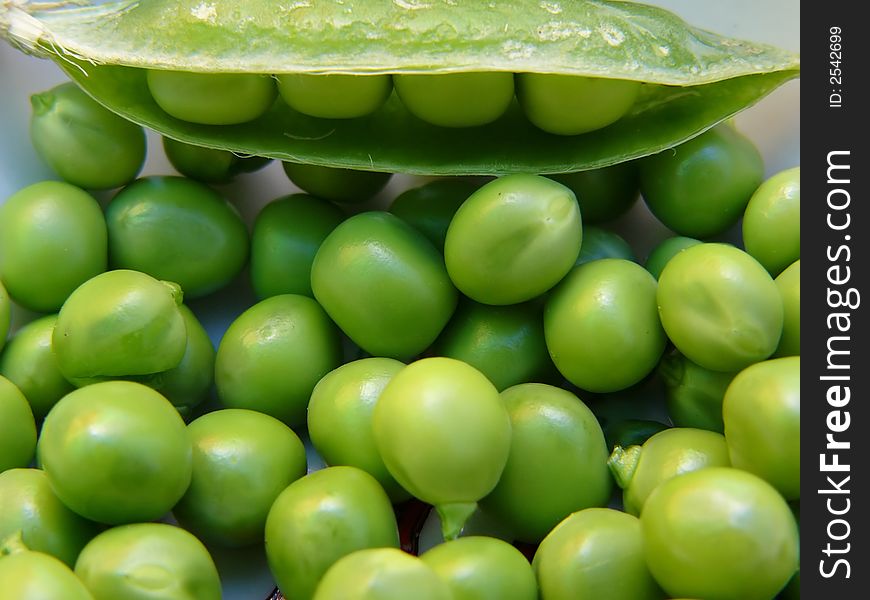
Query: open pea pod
[{"x": 694, "y": 79}]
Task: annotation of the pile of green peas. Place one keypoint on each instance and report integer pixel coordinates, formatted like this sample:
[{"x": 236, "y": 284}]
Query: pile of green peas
[
  {"x": 557, "y": 104},
  {"x": 470, "y": 348}
]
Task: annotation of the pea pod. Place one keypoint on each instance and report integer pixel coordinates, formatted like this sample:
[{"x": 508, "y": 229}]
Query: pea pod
[{"x": 106, "y": 46}]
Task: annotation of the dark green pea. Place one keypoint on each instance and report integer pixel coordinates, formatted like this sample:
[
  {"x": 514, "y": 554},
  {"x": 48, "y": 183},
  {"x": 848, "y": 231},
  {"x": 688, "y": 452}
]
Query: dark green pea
[
  {"x": 605, "y": 193},
  {"x": 694, "y": 394},
  {"x": 631, "y": 432},
  {"x": 665, "y": 251},
  {"x": 701, "y": 187},
  {"x": 179, "y": 230},
  {"x": 86, "y": 144},
  {"x": 271, "y": 357},
  {"x": 209, "y": 165},
  {"x": 29, "y": 362},
  {"x": 286, "y": 237},
  {"x": 242, "y": 460},
  {"x": 384, "y": 284},
  {"x": 430, "y": 207},
  {"x": 505, "y": 343},
  {"x": 345, "y": 186},
  {"x": 599, "y": 243},
  {"x": 188, "y": 384}
]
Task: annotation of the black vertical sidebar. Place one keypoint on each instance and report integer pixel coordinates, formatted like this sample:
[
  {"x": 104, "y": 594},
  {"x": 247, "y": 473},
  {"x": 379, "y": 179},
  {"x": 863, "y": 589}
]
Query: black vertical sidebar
[{"x": 835, "y": 406}]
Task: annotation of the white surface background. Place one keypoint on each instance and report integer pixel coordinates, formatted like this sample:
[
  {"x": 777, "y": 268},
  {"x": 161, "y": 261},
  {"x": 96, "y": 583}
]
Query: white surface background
[{"x": 773, "y": 125}]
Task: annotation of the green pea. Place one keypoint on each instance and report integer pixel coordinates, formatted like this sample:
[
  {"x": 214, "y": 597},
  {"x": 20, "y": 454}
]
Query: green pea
[
  {"x": 345, "y": 186},
  {"x": 144, "y": 561},
  {"x": 320, "y": 518},
  {"x": 557, "y": 462},
  {"x": 5, "y": 315},
  {"x": 209, "y": 165},
  {"x": 513, "y": 239},
  {"x": 86, "y": 144},
  {"x": 242, "y": 460},
  {"x": 178, "y": 230},
  {"x": 665, "y": 251},
  {"x": 639, "y": 469},
  {"x": 430, "y": 207},
  {"x": 762, "y": 414},
  {"x": 483, "y": 568},
  {"x": 17, "y": 427},
  {"x": 604, "y": 194},
  {"x": 570, "y": 105},
  {"x": 273, "y": 354},
  {"x": 381, "y": 574},
  {"x": 599, "y": 243},
  {"x": 212, "y": 98},
  {"x": 701, "y": 187},
  {"x": 444, "y": 434},
  {"x": 384, "y": 284},
  {"x": 188, "y": 384},
  {"x": 287, "y": 234},
  {"x": 456, "y": 99},
  {"x": 720, "y": 307},
  {"x": 694, "y": 394},
  {"x": 772, "y": 221},
  {"x": 131, "y": 463},
  {"x": 602, "y": 327},
  {"x": 29, "y": 362},
  {"x": 719, "y": 533},
  {"x": 117, "y": 324},
  {"x": 52, "y": 239},
  {"x": 334, "y": 96},
  {"x": 505, "y": 343},
  {"x": 789, "y": 284},
  {"x": 29, "y": 508},
  {"x": 340, "y": 418},
  {"x": 595, "y": 553},
  {"x": 36, "y": 575}
]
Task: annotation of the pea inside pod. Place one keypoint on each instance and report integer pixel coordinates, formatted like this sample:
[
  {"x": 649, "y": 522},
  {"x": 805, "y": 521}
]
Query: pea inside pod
[{"x": 727, "y": 75}]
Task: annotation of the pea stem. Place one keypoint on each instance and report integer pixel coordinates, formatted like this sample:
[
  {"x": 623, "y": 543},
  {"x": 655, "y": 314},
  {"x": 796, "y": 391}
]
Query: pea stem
[
  {"x": 453, "y": 517},
  {"x": 623, "y": 463},
  {"x": 13, "y": 544}
]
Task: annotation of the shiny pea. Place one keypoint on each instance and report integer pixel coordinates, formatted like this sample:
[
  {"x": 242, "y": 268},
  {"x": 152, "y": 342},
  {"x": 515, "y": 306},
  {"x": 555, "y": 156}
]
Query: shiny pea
[
  {"x": 86, "y": 144},
  {"x": 179, "y": 230},
  {"x": 52, "y": 239}
]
